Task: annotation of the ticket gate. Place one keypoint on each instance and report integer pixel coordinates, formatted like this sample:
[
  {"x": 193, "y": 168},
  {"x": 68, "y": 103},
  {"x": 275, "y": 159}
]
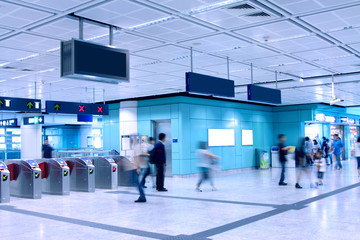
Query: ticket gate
[
  {"x": 125, "y": 170},
  {"x": 82, "y": 174},
  {"x": 25, "y": 178},
  {"x": 106, "y": 172},
  {"x": 4, "y": 183},
  {"x": 55, "y": 175}
]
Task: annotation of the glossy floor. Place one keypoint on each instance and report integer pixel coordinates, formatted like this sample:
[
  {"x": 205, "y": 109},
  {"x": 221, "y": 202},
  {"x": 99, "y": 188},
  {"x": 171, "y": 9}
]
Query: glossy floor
[{"x": 248, "y": 205}]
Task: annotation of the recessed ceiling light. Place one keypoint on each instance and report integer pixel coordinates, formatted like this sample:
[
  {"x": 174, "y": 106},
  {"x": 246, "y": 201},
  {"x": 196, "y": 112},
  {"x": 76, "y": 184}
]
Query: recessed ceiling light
[
  {"x": 3, "y": 80},
  {"x": 301, "y": 80}
]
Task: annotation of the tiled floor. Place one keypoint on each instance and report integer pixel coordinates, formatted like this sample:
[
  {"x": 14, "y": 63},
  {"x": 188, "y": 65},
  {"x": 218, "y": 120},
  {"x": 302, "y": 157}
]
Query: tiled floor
[{"x": 249, "y": 205}]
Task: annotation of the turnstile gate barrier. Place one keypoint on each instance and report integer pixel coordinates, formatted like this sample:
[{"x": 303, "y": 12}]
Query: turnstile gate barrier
[
  {"x": 55, "y": 175},
  {"x": 25, "y": 178},
  {"x": 106, "y": 172},
  {"x": 4, "y": 183},
  {"x": 82, "y": 174}
]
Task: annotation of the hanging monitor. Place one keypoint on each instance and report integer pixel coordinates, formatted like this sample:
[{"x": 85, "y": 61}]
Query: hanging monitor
[
  {"x": 263, "y": 94},
  {"x": 94, "y": 62},
  {"x": 199, "y": 83}
]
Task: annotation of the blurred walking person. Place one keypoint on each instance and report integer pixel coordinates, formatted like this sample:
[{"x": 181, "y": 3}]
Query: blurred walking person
[
  {"x": 145, "y": 165},
  {"x": 300, "y": 156},
  {"x": 206, "y": 161},
  {"x": 357, "y": 154},
  {"x": 308, "y": 150},
  {"x": 283, "y": 152},
  {"x": 137, "y": 170}
]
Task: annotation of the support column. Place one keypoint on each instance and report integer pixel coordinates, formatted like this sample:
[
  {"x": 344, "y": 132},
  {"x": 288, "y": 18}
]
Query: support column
[{"x": 31, "y": 143}]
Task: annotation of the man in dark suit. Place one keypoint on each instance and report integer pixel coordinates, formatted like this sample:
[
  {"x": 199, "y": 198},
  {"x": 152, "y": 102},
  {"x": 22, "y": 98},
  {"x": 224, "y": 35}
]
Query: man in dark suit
[{"x": 160, "y": 162}]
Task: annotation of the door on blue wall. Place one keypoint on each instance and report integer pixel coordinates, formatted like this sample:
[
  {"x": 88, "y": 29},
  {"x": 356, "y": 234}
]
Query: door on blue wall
[{"x": 164, "y": 126}]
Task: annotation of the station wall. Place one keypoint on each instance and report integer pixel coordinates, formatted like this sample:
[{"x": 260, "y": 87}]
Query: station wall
[
  {"x": 192, "y": 117},
  {"x": 190, "y": 120}
]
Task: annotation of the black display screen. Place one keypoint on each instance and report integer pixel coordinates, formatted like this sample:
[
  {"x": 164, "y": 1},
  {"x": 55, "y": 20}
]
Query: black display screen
[
  {"x": 96, "y": 60},
  {"x": 263, "y": 94},
  {"x": 199, "y": 83}
]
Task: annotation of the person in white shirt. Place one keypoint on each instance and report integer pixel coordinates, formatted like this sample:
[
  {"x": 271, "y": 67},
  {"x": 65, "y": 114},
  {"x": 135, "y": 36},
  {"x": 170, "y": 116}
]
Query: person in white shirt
[
  {"x": 357, "y": 154},
  {"x": 144, "y": 164},
  {"x": 205, "y": 162},
  {"x": 321, "y": 167}
]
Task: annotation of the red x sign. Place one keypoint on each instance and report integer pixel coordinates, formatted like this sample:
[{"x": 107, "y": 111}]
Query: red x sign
[
  {"x": 81, "y": 108},
  {"x": 100, "y": 109}
]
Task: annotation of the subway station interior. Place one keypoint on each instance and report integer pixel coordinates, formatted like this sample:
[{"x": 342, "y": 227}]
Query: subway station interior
[{"x": 179, "y": 119}]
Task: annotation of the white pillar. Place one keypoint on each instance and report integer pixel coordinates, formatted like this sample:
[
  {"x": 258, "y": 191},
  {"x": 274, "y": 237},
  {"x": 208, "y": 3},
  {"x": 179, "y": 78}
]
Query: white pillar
[{"x": 30, "y": 141}]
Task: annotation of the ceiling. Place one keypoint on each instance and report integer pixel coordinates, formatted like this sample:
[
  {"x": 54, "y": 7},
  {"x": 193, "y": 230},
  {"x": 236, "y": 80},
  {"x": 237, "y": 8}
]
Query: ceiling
[{"x": 280, "y": 39}]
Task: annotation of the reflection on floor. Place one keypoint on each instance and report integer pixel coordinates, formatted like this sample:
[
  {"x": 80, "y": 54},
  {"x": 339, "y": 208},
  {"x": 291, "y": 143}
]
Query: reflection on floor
[{"x": 249, "y": 205}]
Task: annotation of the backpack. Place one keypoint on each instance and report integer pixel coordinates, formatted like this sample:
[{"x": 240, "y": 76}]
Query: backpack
[{"x": 152, "y": 156}]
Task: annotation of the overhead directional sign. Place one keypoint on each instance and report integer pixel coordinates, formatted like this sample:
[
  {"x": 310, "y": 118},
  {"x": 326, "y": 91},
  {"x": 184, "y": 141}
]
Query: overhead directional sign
[
  {"x": 33, "y": 120},
  {"x": 20, "y": 104},
  {"x": 8, "y": 122},
  {"x": 76, "y": 108}
]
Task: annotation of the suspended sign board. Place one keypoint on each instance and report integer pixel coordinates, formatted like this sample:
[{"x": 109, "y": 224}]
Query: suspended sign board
[
  {"x": 76, "y": 108},
  {"x": 20, "y": 104}
]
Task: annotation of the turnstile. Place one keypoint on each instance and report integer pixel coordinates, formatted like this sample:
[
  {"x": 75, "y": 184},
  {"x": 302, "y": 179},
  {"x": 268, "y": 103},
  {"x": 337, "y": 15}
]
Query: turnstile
[
  {"x": 25, "y": 178},
  {"x": 106, "y": 172},
  {"x": 125, "y": 170},
  {"x": 4, "y": 183},
  {"x": 55, "y": 175},
  {"x": 82, "y": 174}
]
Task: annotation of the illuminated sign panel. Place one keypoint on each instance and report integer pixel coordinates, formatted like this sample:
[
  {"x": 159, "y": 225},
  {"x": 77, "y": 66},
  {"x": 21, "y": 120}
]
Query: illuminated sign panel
[
  {"x": 76, "y": 108},
  {"x": 20, "y": 104},
  {"x": 33, "y": 120},
  {"x": 9, "y": 122}
]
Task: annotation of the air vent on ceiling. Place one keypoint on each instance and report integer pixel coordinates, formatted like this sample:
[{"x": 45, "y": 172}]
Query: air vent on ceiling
[
  {"x": 242, "y": 7},
  {"x": 258, "y": 14}
]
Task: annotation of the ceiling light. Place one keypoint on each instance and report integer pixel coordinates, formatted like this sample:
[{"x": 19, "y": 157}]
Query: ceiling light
[
  {"x": 301, "y": 80},
  {"x": 47, "y": 70},
  {"x": 161, "y": 20},
  {"x": 19, "y": 76},
  {"x": 3, "y": 64},
  {"x": 28, "y": 57},
  {"x": 3, "y": 80},
  {"x": 53, "y": 50}
]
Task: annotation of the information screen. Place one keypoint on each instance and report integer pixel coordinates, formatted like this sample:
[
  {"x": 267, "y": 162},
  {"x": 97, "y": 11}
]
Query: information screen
[{"x": 221, "y": 137}]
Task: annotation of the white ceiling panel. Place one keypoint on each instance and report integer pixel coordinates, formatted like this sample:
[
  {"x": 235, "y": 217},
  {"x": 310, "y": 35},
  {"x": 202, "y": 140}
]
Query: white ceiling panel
[
  {"x": 16, "y": 16},
  {"x": 273, "y": 31},
  {"x": 160, "y": 46},
  {"x": 347, "y": 35},
  {"x": 322, "y": 54},
  {"x": 216, "y": 43},
  {"x": 300, "y": 44},
  {"x": 175, "y": 30},
  {"x": 58, "y": 5},
  {"x": 30, "y": 42},
  {"x": 122, "y": 13}
]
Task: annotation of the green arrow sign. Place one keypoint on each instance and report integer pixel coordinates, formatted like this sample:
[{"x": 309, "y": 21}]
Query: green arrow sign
[
  {"x": 57, "y": 107},
  {"x": 30, "y": 105},
  {"x": 1, "y": 103}
]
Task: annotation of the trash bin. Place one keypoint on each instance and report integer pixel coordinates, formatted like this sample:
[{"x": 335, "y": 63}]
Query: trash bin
[
  {"x": 55, "y": 176},
  {"x": 25, "y": 178},
  {"x": 262, "y": 159},
  {"x": 4, "y": 183},
  {"x": 82, "y": 174}
]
